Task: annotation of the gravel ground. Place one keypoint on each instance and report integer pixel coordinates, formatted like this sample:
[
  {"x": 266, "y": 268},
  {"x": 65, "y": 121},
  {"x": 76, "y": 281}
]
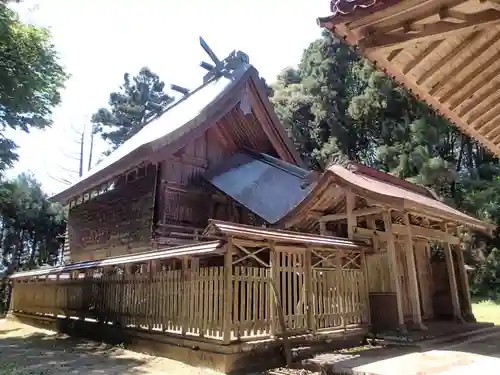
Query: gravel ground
[{"x": 25, "y": 350}]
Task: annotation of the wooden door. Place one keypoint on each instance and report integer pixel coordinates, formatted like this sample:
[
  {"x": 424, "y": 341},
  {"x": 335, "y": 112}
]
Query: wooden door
[{"x": 424, "y": 277}]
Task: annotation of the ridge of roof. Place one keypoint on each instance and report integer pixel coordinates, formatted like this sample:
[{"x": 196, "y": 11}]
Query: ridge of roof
[
  {"x": 171, "y": 124},
  {"x": 350, "y": 10},
  {"x": 356, "y": 167},
  {"x": 206, "y": 103},
  {"x": 384, "y": 191}
]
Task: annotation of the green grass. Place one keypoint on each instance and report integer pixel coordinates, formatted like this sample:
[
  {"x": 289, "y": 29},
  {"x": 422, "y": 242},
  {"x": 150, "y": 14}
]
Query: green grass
[{"x": 487, "y": 311}]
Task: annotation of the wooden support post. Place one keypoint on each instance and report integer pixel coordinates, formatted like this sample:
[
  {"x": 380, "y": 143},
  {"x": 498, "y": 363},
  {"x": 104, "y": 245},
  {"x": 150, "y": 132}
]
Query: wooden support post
[
  {"x": 394, "y": 269},
  {"x": 339, "y": 254},
  {"x": 228, "y": 291},
  {"x": 150, "y": 313},
  {"x": 186, "y": 293},
  {"x": 352, "y": 222},
  {"x": 464, "y": 279},
  {"x": 464, "y": 283},
  {"x": 351, "y": 219},
  {"x": 412, "y": 275},
  {"x": 273, "y": 278},
  {"x": 364, "y": 267},
  {"x": 448, "y": 256},
  {"x": 322, "y": 228},
  {"x": 308, "y": 288}
]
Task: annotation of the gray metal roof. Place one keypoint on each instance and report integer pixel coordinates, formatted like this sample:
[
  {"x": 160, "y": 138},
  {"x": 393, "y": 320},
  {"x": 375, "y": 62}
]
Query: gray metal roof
[
  {"x": 265, "y": 185},
  {"x": 197, "y": 249},
  {"x": 282, "y": 236}
]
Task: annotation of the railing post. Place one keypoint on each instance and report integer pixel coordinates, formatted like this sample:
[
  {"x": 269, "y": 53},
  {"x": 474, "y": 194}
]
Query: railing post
[
  {"x": 186, "y": 294},
  {"x": 228, "y": 291},
  {"x": 308, "y": 290},
  {"x": 273, "y": 278}
]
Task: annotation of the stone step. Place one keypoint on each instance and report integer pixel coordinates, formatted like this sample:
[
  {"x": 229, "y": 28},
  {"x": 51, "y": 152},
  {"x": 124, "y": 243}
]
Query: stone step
[
  {"x": 401, "y": 341},
  {"x": 460, "y": 338}
]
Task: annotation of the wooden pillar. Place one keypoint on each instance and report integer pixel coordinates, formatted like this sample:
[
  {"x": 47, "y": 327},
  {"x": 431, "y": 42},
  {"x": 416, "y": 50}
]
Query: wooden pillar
[
  {"x": 393, "y": 267},
  {"x": 228, "y": 291},
  {"x": 322, "y": 228},
  {"x": 351, "y": 219},
  {"x": 273, "y": 278},
  {"x": 187, "y": 294},
  {"x": 464, "y": 281},
  {"x": 448, "y": 256},
  {"x": 311, "y": 327},
  {"x": 412, "y": 275}
]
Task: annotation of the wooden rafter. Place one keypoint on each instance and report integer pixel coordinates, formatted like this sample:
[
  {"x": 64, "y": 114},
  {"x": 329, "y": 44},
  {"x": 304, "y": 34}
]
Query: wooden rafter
[
  {"x": 415, "y": 12},
  {"x": 355, "y": 213},
  {"x": 495, "y": 88},
  {"x": 480, "y": 82},
  {"x": 415, "y": 32},
  {"x": 486, "y": 116},
  {"x": 495, "y": 4},
  {"x": 491, "y": 124},
  {"x": 394, "y": 53},
  {"x": 466, "y": 62},
  {"x": 421, "y": 57},
  {"x": 473, "y": 37}
]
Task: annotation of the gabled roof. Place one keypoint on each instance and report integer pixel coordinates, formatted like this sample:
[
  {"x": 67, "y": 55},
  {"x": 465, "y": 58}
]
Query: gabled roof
[
  {"x": 280, "y": 236},
  {"x": 384, "y": 189},
  {"x": 445, "y": 52},
  {"x": 267, "y": 186},
  {"x": 188, "y": 118}
]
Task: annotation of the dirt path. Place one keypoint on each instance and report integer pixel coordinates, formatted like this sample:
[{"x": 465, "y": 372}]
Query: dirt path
[{"x": 25, "y": 350}]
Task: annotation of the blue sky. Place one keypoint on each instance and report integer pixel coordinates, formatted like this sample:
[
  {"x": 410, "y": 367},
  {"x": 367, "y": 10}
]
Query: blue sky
[{"x": 99, "y": 40}]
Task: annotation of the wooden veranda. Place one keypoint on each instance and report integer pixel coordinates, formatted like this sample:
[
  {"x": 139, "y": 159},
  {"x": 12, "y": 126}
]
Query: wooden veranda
[{"x": 251, "y": 285}]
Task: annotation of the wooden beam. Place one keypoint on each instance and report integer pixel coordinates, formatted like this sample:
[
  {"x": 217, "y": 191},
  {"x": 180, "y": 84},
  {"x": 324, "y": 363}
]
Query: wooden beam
[
  {"x": 393, "y": 266},
  {"x": 481, "y": 82},
  {"x": 351, "y": 218},
  {"x": 394, "y": 54},
  {"x": 487, "y": 120},
  {"x": 434, "y": 31},
  {"x": 421, "y": 57},
  {"x": 410, "y": 13},
  {"x": 418, "y": 91},
  {"x": 495, "y": 88},
  {"x": 495, "y": 4},
  {"x": 453, "y": 53},
  {"x": 464, "y": 64},
  {"x": 412, "y": 275},
  {"x": 355, "y": 213},
  {"x": 400, "y": 230},
  {"x": 448, "y": 256}
]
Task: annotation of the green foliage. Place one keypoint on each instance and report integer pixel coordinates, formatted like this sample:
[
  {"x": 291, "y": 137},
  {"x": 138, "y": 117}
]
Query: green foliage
[
  {"x": 30, "y": 227},
  {"x": 138, "y": 99},
  {"x": 30, "y": 79},
  {"x": 336, "y": 106}
]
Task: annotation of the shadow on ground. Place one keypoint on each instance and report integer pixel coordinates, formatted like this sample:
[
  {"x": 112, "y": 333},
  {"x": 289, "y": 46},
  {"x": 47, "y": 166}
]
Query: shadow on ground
[{"x": 56, "y": 354}]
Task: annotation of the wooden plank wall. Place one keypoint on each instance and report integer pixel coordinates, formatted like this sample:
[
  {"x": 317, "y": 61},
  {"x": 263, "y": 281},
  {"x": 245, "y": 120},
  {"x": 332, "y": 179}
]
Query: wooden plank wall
[
  {"x": 116, "y": 222},
  {"x": 185, "y": 198}
]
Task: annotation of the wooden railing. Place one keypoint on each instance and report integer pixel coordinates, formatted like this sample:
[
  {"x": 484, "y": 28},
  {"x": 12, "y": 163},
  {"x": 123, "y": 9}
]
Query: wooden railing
[
  {"x": 190, "y": 301},
  {"x": 167, "y": 301}
]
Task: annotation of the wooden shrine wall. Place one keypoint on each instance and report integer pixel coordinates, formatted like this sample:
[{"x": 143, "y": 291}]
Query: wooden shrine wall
[
  {"x": 185, "y": 198},
  {"x": 116, "y": 222}
]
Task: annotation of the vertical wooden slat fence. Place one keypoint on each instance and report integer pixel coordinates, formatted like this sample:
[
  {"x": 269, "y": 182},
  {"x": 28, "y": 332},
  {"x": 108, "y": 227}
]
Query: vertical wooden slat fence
[{"x": 188, "y": 299}]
